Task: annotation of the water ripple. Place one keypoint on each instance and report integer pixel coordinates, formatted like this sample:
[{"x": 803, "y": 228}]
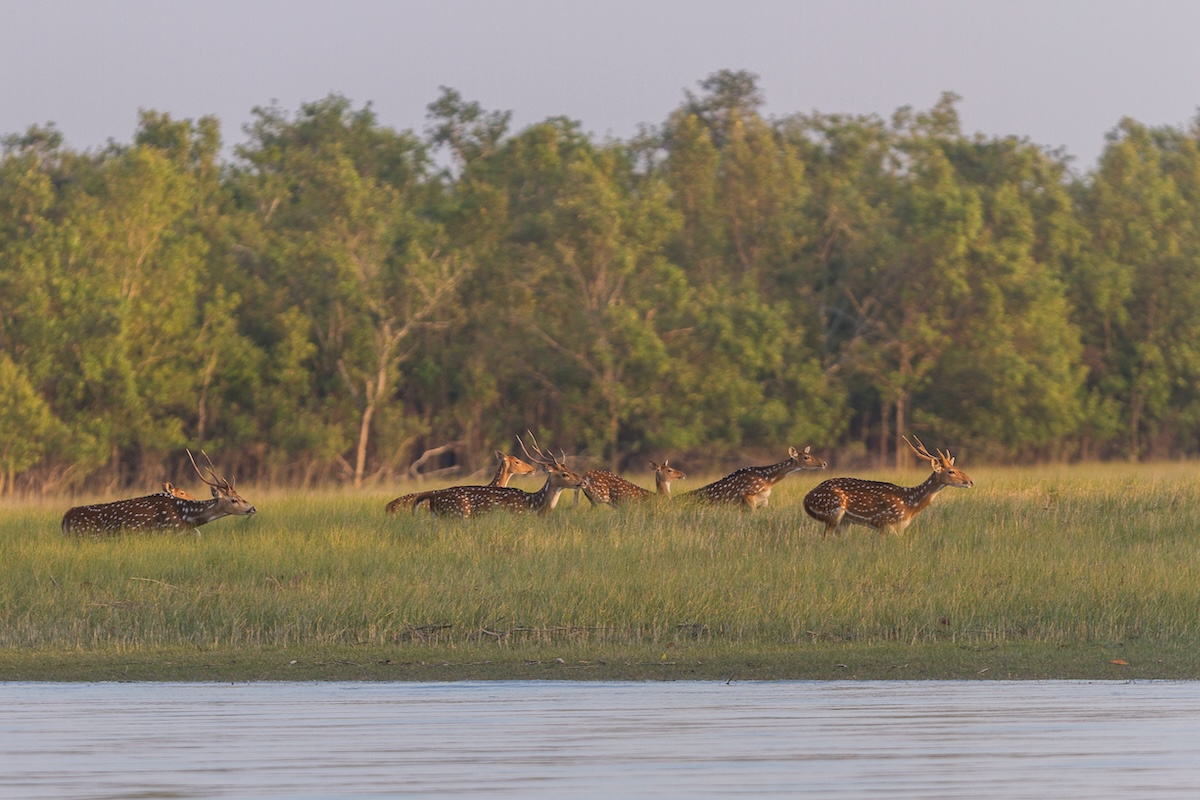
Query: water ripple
[{"x": 560, "y": 739}]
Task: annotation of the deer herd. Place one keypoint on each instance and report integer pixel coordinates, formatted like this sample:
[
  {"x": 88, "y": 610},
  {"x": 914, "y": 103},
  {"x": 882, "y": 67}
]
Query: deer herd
[{"x": 837, "y": 502}]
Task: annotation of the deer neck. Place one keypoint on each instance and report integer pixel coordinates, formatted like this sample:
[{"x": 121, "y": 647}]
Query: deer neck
[
  {"x": 662, "y": 485},
  {"x": 546, "y": 498},
  {"x": 200, "y": 512},
  {"x": 777, "y": 472},
  {"x": 919, "y": 497},
  {"x": 502, "y": 475}
]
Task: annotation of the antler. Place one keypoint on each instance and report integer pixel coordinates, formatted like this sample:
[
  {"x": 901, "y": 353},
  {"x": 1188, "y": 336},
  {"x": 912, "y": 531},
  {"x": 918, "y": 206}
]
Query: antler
[
  {"x": 525, "y": 450},
  {"x": 945, "y": 459},
  {"x": 221, "y": 483},
  {"x": 542, "y": 456}
]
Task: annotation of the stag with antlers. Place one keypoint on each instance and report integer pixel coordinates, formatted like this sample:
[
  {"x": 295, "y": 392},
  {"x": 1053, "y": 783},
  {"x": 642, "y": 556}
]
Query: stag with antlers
[
  {"x": 883, "y": 506},
  {"x": 166, "y": 510}
]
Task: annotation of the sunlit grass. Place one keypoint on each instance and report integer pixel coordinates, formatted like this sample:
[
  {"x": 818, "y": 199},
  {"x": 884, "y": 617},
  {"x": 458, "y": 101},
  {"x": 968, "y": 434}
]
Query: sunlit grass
[{"x": 1060, "y": 556}]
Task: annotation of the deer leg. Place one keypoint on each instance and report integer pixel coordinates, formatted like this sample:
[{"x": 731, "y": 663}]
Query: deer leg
[{"x": 833, "y": 523}]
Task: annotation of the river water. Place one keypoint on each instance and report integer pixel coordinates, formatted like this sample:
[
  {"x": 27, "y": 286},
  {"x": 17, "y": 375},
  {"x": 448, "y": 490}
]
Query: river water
[{"x": 993, "y": 739}]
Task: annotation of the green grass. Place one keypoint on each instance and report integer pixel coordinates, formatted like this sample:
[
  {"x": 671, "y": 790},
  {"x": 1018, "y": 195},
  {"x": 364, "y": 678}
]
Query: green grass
[{"x": 1046, "y": 572}]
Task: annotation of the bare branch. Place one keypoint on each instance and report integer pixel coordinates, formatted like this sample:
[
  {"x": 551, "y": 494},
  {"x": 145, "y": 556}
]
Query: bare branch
[{"x": 415, "y": 467}]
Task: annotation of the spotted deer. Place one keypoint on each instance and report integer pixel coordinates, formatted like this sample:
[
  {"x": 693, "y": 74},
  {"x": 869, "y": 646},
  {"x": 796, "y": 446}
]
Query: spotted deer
[
  {"x": 162, "y": 511},
  {"x": 469, "y": 501},
  {"x": 883, "y": 506},
  {"x": 171, "y": 490},
  {"x": 506, "y": 468},
  {"x": 604, "y": 488},
  {"x": 750, "y": 487}
]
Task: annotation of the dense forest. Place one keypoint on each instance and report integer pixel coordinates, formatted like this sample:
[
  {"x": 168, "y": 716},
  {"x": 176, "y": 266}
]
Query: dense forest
[{"x": 340, "y": 301}]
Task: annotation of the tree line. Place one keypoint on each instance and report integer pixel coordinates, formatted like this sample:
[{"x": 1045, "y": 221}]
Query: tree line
[{"x": 341, "y": 301}]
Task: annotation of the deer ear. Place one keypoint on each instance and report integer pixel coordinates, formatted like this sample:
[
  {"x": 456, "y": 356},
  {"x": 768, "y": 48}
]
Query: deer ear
[
  {"x": 808, "y": 448},
  {"x": 952, "y": 461},
  {"x": 792, "y": 452},
  {"x": 499, "y": 455},
  {"x": 656, "y": 466},
  {"x": 216, "y": 492}
]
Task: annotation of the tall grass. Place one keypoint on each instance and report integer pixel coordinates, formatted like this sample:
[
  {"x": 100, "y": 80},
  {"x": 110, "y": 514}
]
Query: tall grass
[{"x": 1054, "y": 555}]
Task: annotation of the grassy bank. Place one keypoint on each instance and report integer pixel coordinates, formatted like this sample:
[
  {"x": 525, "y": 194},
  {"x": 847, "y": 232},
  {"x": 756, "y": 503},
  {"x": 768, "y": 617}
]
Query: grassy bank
[{"x": 1051, "y": 572}]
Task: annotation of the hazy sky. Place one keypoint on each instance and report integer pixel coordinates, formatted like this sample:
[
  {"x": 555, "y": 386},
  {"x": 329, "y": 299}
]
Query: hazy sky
[{"x": 1059, "y": 72}]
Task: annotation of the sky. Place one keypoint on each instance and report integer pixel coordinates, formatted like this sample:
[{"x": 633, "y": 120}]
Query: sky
[{"x": 1060, "y": 73}]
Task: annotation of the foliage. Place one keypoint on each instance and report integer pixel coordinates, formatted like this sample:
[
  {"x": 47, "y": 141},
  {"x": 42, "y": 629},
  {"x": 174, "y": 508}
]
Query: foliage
[{"x": 341, "y": 297}]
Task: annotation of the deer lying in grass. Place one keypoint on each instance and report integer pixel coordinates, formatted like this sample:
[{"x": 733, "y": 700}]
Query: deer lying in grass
[
  {"x": 469, "y": 501},
  {"x": 167, "y": 510},
  {"x": 750, "y": 487},
  {"x": 883, "y": 506},
  {"x": 507, "y": 467},
  {"x": 604, "y": 488}
]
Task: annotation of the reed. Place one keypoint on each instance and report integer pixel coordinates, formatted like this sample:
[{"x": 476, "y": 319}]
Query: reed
[{"x": 1053, "y": 556}]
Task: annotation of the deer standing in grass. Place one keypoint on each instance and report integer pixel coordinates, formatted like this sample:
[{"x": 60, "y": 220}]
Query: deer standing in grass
[
  {"x": 166, "y": 510},
  {"x": 883, "y": 506},
  {"x": 469, "y": 501},
  {"x": 604, "y": 488},
  {"x": 507, "y": 467},
  {"x": 750, "y": 487}
]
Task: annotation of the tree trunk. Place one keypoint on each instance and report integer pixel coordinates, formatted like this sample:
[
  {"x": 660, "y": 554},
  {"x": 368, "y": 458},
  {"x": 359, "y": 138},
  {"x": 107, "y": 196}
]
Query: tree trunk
[
  {"x": 1135, "y": 421},
  {"x": 364, "y": 436},
  {"x": 372, "y": 396},
  {"x": 202, "y": 403},
  {"x": 614, "y": 417},
  {"x": 885, "y": 415}
]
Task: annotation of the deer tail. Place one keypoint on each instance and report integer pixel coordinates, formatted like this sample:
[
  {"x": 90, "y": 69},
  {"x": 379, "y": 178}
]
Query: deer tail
[{"x": 407, "y": 501}]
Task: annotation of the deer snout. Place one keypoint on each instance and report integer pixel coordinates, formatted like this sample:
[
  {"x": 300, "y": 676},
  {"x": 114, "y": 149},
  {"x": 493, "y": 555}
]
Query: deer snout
[{"x": 251, "y": 510}]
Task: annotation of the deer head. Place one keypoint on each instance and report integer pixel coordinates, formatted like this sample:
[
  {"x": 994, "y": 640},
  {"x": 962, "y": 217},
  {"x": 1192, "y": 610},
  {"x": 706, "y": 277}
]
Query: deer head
[
  {"x": 943, "y": 466},
  {"x": 174, "y": 491},
  {"x": 513, "y": 465},
  {"x": 560, "y": 475},
  {"x": 228, "y": 500},
  {"x": 664, "y": 473},
  {"x": 804, "y": 459}
]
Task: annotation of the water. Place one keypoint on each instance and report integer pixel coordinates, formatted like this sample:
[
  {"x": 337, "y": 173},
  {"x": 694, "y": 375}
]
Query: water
[{"x": 560, "y": 739}]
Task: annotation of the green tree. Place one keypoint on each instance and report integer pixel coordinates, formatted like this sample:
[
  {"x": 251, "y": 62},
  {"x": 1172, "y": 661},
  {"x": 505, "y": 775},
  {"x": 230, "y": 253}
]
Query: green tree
[
  {"x": 1140, "y": 284},
  {"x": 600, "y": 288},
  {"x": 350, "y": 243}
]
